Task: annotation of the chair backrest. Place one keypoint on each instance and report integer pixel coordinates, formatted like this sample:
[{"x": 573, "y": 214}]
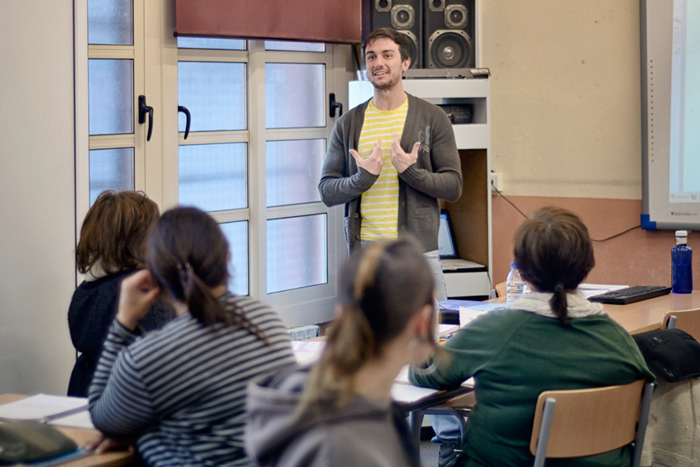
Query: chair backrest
[
  {"x": 585, "y": 422},
  {"x": 501, "y": 289},
  {"x": 687, "y": 320}
]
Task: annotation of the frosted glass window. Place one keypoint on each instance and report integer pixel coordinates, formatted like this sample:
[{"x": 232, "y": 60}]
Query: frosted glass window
[
  {"x": 293, "y": 171},
  {"x": 213, "y": 176},
  {"x": 295, "y": 46},
  {"x": 296, "y": 252},
  {"x": 111, "y": 169},
  {"x": 214, "y": 93},
  {"x": 110, "y": 22},
  {"x": 111, "y": 96},
  {"x": 208, "y": 43},
  {"x": 237, "y": 236},
  {"x": 294, "y": 95}
]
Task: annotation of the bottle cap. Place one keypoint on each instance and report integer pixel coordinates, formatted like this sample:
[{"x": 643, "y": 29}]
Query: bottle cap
[
  {"x": 681, "y": 233},
  {"x": 512, "y": 265}
]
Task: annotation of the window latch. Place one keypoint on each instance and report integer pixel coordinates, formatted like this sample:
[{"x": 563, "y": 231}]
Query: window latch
[
  {"x": 143, "y": 110},
  {"x": 188, "y": 116},
  {"x": 332, "y": 105}
]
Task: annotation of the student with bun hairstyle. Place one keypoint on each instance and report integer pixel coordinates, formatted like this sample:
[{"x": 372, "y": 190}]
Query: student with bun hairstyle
[
  {"x": 339, "y": 412},
  {"x": 552, "y": 338},
  {"x": 111, "y": 247},
  {"x": 180, "y": 391}
]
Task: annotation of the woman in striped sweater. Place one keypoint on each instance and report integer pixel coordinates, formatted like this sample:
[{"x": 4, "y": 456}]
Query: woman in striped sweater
[{"x": 180, "y": 392}]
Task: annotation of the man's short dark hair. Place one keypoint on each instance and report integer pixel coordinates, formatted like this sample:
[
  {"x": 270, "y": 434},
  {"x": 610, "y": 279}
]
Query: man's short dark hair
[{"x": 399, "y": 39}]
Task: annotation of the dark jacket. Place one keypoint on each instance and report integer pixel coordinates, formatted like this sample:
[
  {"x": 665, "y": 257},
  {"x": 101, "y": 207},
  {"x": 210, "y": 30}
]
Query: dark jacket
[{"x": 92, "y": 310}]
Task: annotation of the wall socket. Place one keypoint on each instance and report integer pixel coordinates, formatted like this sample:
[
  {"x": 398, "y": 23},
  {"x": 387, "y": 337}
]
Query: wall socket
[{"x": 497, "y": 181}]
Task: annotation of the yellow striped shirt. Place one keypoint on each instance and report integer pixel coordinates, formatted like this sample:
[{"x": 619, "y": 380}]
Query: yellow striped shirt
[{"x": 380, "y": 204}]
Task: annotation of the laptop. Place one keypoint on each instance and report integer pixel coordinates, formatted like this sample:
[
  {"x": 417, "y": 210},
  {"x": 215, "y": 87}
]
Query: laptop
[{"x": 447, "y": 249}]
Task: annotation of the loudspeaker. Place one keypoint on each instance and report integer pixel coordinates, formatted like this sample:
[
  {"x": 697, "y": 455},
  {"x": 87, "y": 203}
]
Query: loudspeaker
[
  {"x": 448, "y": 34},
  {"x": 406, "y": 16}
]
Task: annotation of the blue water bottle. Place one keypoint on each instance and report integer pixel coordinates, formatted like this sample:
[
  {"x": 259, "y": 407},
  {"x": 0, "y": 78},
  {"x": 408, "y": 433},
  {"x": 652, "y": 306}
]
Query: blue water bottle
[{"x": 682, "y": 264}]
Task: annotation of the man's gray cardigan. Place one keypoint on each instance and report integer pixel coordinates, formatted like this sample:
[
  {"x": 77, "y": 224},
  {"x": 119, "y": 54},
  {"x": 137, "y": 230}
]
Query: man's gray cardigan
[{"x": 435, "y": 175}]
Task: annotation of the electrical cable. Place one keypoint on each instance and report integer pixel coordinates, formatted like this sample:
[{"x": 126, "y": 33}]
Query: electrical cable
[{"x": 592, "y": 239}]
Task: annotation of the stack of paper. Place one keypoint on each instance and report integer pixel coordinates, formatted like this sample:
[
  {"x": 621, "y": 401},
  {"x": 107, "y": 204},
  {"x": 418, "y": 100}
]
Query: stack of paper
[{"x": 56, "y": 410}]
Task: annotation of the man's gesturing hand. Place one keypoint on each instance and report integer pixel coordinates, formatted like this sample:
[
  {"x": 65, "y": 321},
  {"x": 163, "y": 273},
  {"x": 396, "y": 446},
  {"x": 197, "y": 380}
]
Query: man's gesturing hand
[
  {"x": 400, "y": 158},
  {"x": 373, "y": 164}
]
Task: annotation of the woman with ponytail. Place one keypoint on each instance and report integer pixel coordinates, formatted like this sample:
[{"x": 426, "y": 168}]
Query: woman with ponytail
[
  {"x": 552, "y": 338},
  {"x": 339, "y": 412},
  {"x": 180, "y": 392}
]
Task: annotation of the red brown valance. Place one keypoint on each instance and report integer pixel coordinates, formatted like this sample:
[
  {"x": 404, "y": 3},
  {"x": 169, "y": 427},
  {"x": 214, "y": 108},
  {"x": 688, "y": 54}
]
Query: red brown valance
[{"x": 338, "y": 21}]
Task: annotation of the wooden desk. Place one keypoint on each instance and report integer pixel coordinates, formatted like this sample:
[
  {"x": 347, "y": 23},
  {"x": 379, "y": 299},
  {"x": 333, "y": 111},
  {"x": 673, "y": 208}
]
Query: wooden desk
[
  {"x": 110, "y": 459},
  {"x": 647, "y": 315}
]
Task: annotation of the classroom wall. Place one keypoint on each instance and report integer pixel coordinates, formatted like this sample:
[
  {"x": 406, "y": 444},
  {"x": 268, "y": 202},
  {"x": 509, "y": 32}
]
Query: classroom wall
[
  {"x": 36, "y": 188},
  {"x": 566, "y": 127}
]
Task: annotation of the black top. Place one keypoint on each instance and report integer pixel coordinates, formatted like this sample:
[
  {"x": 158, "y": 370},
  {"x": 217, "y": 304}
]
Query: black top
[{"x": 92, "y": 309}]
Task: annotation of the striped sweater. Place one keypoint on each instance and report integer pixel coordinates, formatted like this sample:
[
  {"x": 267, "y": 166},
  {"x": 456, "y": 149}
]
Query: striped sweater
[{"x": 181, "y": 390}]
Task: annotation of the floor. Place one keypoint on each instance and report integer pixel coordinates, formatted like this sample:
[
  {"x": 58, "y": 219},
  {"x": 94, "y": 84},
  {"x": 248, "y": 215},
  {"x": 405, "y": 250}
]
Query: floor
[{"x": 428, "y": 454}]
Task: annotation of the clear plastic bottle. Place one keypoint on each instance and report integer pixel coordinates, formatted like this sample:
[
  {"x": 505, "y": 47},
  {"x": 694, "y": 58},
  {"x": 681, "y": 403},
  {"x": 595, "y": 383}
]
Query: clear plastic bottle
[
  {"x": 682, "y": 264},
  {"x": 515, "y": 286}
]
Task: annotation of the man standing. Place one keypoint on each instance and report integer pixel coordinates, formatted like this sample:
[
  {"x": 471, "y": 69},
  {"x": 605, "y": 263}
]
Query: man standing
[{"x": 390, "y": 159}]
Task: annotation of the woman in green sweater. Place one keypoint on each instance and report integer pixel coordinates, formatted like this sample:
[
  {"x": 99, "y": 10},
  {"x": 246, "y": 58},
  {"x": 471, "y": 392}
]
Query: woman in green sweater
[{"x": 551, "y": 338}]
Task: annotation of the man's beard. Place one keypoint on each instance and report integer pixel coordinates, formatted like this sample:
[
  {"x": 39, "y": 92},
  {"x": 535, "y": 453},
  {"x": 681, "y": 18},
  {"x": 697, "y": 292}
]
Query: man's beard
[{"x": 388, "y": 85}]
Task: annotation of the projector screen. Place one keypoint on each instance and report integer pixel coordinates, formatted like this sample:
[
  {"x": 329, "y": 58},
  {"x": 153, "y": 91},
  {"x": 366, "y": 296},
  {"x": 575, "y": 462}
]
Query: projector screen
[{"x": 670, "y": 46}]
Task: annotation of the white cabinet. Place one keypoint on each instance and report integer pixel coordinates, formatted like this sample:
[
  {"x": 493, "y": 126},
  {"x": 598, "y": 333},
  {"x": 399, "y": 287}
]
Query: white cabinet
[{"x": 471, "y": 214}]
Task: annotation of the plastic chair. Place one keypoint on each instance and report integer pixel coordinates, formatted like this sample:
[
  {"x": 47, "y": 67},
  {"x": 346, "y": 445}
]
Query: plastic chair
[
  {"x": 587, "y": 422},
  {"x": 500, "y": 289},
  {"x": 687, "y": 320}
]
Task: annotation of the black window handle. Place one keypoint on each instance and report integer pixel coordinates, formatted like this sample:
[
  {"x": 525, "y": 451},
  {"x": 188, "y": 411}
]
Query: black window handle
[
  {"x": 143, "y": 110},
  {"x": 332, "y": 105},
  {"x": 184, "y": 110}
]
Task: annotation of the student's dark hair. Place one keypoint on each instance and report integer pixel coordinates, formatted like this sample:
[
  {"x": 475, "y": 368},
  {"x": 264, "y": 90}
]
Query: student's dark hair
[
  {"x": 554, "y": 253},
  {"x": 381, "y": 288},
  {"x": 399, "y": 39},
  {"x": 188, "y": 256},
  {"x": 114, "y": 231}
]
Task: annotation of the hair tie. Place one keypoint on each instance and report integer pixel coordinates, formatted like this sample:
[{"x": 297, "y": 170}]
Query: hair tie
[
  {"x": 558, "y": 288},
  {"x": 186, "y": 275}
]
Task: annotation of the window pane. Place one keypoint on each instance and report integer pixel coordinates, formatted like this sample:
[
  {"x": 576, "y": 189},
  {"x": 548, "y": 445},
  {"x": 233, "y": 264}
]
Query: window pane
[
  {"x": 296, "y": 253},
  {"x": 207, "y": 43},
  {"x": 293, "y": 171},
  {"x": 295, "y": 46},
  {"x": 294, "y": 95},
  {"x": 237, "y": 235},
  {"x": 111, "y": 169},
  {"x": 111, "y": 96},
  {"x": 214, "y": 93},
  {"x": 110, "y": 22},
  {"x": 213, "y": 176}
]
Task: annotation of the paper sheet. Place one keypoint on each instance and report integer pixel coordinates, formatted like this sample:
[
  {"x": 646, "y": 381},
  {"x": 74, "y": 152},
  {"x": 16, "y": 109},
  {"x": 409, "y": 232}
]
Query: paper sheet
[
  {"x": 77, "y": 420},
  {"x": 307, "y": 351},
  {"x": 40, "y": 407},
  {"x": 409, "y": 393}
]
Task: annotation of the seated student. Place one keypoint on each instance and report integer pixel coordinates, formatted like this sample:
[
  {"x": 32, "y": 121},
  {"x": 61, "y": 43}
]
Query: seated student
[
  {"x": 339, "y": 413},
  {"x": 180, "y": 391},
  {"x": 551, "y": 338},
  {"x": 111, "y": 247}
]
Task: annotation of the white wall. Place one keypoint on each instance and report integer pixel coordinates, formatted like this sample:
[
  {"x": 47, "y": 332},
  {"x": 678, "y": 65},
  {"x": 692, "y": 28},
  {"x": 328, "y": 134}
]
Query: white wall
[
  {"x": 36, "y": 194},
  {"x": 565, "y": 96}
]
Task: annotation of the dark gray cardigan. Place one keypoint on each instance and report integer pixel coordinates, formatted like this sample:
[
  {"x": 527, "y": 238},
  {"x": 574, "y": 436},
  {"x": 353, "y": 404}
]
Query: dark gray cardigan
[{"x": 435, "y": 175}]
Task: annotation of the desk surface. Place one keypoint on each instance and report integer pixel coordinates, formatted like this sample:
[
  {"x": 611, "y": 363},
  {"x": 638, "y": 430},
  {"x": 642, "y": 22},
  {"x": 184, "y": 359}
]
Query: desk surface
[
  {"x": 111, "y": 459},
  {"x": 648, "y": 314}
]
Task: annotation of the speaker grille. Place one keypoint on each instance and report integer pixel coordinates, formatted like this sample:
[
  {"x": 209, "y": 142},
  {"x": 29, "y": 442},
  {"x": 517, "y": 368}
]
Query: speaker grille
[{"x": 449, "y": 49}]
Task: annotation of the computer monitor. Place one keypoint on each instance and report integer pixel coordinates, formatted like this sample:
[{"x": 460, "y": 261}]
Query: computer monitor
[{"x": 446, "y": 239}]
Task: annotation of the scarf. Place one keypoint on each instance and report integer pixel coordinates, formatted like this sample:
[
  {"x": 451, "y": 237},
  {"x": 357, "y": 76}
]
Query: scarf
[{"x": 538, "y": 303}]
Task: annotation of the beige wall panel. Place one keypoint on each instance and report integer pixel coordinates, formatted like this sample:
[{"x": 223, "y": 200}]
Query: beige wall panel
[
  {"x": 565, "y": 96},
  {"x": 37, "y": 229}
]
